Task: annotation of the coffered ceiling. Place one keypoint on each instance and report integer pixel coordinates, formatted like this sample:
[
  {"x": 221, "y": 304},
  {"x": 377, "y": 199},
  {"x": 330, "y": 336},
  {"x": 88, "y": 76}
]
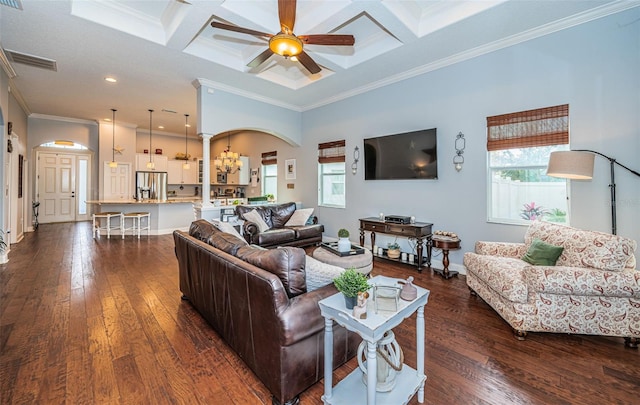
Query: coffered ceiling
[{"x": 157, "y": 48}]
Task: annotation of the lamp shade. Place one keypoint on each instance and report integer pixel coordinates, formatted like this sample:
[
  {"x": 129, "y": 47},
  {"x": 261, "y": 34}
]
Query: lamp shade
[
  {"x": 571, "y": 165},
  {"x": 286, "y": 45}
]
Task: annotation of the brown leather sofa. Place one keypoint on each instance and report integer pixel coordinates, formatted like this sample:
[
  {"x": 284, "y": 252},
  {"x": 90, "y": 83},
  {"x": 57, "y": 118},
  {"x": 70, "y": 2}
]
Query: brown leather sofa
[
  {"x": 256, "y": 300},
  {"x": 276, "y": 216}
]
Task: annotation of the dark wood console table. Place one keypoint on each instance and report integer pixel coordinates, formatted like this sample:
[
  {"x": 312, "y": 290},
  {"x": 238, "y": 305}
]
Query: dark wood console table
[{"x": 420, "y": 231}]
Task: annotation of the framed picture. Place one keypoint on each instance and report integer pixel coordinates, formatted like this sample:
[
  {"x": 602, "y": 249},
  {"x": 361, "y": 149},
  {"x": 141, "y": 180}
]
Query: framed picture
[{"x": 290, "y": 169}]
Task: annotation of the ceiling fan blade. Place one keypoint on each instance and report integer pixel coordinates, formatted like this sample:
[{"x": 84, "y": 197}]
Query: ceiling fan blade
[
  {"x": 287, "y": 13},
  {"x": 327, "y": 39},
  {"x": 260, "y": 59},
  {"x": 241, "y": 30},
  {"x": 308, "y": 63}
]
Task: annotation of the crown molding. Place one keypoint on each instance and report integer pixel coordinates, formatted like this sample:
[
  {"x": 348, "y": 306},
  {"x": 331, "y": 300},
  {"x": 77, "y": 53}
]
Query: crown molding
[
  {"x": 63, "y": 119},
  {"x": 197, "y": 83},
  {"x": 6, "y": 65},
  {"x": 550, "y": 28},
  {"x": 19, "y": 98}
]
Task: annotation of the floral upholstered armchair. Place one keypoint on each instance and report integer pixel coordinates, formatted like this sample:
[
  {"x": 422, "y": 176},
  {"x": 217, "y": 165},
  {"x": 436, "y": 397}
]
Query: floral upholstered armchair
[{"x": 593, "y": 288}]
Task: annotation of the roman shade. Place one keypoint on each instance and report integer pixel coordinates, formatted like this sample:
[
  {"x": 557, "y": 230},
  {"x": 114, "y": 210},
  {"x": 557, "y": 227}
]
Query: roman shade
[
  {"x": 331, "y": 152},
  {"x": 525, "y": 129},
  {"x": 270, "y": 158}
]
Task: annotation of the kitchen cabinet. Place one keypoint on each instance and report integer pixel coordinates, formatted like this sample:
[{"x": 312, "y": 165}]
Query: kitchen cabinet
[
  {"x": 212, "y": 172},
  {"x": 160, "y": 162},
  {"x": 240, "y": 177},
  {"x": 176, "y": 174}
]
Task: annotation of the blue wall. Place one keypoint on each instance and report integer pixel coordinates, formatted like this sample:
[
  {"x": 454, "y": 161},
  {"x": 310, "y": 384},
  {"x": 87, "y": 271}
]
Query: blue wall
[{"x": 592, "y": 67}]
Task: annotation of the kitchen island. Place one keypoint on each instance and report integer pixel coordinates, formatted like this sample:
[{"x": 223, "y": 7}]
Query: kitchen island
[{"x": 166, "y": 216}]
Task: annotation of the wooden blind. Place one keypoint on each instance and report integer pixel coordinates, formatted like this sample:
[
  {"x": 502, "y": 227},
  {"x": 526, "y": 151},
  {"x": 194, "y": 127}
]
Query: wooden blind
[
  {"x": 270, "y": 158},
  {"x": 525, "y": 129},
  {"x": 331, "y": 152}
]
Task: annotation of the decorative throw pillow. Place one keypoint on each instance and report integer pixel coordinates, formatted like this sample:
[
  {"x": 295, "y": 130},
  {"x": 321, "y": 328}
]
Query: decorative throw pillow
[
  {"x": 228, "y": 228},
  {"x": 299, "y": 217},
  {"x": 254, "y": 217},
  {"x": 320, "y": 274},
  {"x": 542, "y": 254}
]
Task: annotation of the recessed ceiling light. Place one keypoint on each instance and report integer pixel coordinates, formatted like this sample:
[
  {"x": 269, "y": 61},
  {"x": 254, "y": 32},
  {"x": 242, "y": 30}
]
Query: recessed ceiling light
[
  {"x": 108, "y": 119},
  {"x": 111, "y": 79},
  {"x": 188, "y": 125},
  {"x": 160, "y": 126}
]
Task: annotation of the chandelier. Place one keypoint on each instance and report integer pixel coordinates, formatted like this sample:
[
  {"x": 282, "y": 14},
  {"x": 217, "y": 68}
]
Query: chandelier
[{"x": 227, "y": 161}]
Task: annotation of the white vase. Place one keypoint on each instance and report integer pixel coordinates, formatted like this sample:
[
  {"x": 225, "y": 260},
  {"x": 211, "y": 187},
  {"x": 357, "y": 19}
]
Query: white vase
[{"x": 344, "y": 245}]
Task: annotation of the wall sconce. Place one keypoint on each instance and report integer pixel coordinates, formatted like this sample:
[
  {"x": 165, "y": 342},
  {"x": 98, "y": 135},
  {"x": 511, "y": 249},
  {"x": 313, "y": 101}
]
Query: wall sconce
[
  {"x": 356, "y": 158},
  {"x": 460, "y": 144}
]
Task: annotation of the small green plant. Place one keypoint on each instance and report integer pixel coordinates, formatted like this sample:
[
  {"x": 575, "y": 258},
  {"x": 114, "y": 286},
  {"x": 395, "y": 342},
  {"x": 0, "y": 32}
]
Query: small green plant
[
  {"x": 350, "y": 283},
  {"x": 393, "y": 246},
  {"x": 343, "y": 233},
  {"x": 269, "y": 197},
  {"x": 556, "y": 215}
]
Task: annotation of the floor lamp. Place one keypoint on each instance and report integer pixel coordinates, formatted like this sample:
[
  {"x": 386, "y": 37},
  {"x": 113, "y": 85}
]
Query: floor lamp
[{"x": 578, "y": 164}]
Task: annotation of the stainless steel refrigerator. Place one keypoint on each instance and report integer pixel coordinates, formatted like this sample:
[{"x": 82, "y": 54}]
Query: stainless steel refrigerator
[{"x": 151, "y": 186}]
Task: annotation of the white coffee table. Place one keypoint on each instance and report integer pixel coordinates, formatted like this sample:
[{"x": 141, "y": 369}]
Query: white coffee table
[{"x": 351, "y": 390}]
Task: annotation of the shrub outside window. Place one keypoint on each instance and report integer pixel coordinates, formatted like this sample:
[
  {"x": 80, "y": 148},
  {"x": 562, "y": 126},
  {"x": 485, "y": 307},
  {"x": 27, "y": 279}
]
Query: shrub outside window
[
  {"x": 519, "y": 145},
  {"x": 270, "y": 180},
  {"x": 331, "y": 182},
  {"x": 519, "y": 189},
  {"x": 331, "y": 174}
]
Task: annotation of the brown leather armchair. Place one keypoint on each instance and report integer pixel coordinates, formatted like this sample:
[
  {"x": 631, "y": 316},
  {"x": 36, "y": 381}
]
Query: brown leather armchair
[{"x": 278, "y": 234}]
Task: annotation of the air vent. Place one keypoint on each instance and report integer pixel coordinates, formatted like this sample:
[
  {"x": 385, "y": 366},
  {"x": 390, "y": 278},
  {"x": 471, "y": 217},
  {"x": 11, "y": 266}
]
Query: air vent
[
  {"x": 31, "y": 60},
  {"x": 12, "y": 3}
]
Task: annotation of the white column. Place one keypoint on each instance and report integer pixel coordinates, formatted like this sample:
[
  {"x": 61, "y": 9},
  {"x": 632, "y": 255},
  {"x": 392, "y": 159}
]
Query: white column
[{"x": 206, "y": 175}]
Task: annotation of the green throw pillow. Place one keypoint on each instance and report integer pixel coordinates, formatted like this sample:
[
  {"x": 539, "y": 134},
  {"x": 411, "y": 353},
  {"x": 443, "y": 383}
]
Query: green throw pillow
[{"x": 542, "y": 254}]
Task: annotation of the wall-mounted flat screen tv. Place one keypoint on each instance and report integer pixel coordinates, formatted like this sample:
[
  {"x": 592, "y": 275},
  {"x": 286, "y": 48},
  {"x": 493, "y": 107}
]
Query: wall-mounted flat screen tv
[{"x": 409, "y": 155}]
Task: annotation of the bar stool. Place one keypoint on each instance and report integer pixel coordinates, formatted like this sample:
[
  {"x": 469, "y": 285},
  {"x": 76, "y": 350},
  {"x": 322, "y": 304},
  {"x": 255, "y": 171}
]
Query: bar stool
[
  {"x": 136, "y": 223},
  {"x": 108, "y": 226}
]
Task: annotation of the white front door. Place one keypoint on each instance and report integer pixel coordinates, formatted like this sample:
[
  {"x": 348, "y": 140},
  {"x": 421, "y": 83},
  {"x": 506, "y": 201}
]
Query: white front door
[{"x": 56, "y": 187}]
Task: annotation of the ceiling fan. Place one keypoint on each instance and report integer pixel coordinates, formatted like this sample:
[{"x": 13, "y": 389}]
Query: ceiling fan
[{"x": 285, "y": 43}]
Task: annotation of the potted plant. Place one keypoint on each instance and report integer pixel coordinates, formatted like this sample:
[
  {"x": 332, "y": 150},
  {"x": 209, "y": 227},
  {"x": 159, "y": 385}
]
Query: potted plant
[
  {"x": 393, "y": 250},
  {"x": 270, "y": 198},
  {"x": 350, "y": 283},
  {"x": 344, "y": 245}
]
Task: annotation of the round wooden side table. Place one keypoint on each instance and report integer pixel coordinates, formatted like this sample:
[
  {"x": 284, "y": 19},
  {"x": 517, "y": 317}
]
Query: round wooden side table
[{"x": 445, "y": 244}]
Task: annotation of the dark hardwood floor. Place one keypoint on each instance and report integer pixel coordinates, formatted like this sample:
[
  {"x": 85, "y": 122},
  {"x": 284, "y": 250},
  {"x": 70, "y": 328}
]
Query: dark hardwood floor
[{"x": 102, "y": 322}]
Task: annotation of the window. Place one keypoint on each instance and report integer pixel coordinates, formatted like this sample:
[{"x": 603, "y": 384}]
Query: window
[
  {"x": 519, "y": 145},
  {"x": 331, "y": 174},
  {"x": 270, "y": 173}
]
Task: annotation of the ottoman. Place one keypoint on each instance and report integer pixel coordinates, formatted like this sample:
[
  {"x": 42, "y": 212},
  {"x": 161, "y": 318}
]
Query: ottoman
[{"x": 362, "y": 263}]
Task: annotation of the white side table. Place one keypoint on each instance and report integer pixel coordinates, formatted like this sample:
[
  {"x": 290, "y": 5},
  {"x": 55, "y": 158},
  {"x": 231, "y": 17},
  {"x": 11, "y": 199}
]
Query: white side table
[{"x": 351, "y": 390}]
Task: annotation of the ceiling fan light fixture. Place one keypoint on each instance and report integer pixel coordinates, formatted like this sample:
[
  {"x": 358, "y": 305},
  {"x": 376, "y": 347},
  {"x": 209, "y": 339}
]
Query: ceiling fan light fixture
[{"x": 286, "y": 45}]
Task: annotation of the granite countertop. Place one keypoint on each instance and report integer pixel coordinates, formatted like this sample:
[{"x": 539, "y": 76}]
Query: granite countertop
[{"x": 169, "y": 201}]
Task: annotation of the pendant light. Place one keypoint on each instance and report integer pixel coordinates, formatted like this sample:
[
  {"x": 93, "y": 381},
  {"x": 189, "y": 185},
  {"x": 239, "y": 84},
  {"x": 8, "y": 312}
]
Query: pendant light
[
  {"x": 150, "y": 164},
  {"x": 186, "y": 165},
  {"x": 113, "y": 162}
]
